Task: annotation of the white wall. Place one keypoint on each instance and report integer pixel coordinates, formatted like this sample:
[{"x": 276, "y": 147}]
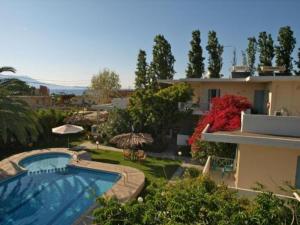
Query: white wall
[{"x": 273, "y": 125}]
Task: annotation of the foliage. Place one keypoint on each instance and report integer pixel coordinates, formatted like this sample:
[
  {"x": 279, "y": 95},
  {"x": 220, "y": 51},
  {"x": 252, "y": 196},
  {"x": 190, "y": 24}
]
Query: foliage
[
  {"x": 297, "y": 72},
  {"x": 195, "y": 67},
  {"x": 219, "y": 149},
  {"x": 265, "y": 48},
  {"x": 251, "y": 52},
  {"x": 215, "y": 51},
  {"x": 285, "y": 48},
  {"x": 234, "y": 58},
  {"x": 7, "y": 69},
  {"x": 141, "y": 79},
  {"x": 118, "y": 122},
  {"x": 17, "y": 121},
  {"x": 194, "y": 202},
  {"x": 156, "y": 112},
  {"x": 16, "y": 87},
  {"x": 105, "y": 84},
  {"x": 163, "y": 61},
  {"x": 191, "y": 172},
  {"x": 225, "y": 115},
  {"x": 49, "y": 118},
  {"x": 244, "y": 58}
]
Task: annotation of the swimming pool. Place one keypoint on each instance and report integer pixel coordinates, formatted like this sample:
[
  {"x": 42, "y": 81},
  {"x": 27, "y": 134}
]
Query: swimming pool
[{"x": 51, "y": 192}]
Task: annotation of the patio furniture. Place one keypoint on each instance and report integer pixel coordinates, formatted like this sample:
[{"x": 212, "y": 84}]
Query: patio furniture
[
  {"x": 140, "y": 155},
  {"x": 67, "y": 129},
  {"x": 127, "y": 154}
]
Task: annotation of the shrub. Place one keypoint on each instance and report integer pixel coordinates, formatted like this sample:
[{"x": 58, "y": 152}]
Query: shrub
[
  {"x": 118, "y": 122},
  {"x": 225, "y": 115},
  {"x": 219, "y": 149},
  {"x": 192, "y": 172},
  {"x": 195, "y": 201}
]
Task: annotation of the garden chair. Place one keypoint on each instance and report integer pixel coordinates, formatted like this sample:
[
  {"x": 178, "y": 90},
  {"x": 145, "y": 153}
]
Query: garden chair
[
  {"x": 140, "y": 155},
  {"x": 127, "y": 154}
]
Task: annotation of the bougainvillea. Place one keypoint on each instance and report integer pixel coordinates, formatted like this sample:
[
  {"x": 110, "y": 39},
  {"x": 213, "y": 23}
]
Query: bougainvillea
[{"x": 225, "y": 115}]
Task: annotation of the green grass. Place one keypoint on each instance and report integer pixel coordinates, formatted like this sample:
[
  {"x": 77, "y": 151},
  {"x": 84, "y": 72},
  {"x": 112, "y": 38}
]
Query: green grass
[{"x": 154, "y": 169}]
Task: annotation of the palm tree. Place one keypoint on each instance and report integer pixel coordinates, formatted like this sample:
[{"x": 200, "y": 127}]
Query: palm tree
[
  {"x": 7, "y": 69},
  {"x": 18, "y": 123}
]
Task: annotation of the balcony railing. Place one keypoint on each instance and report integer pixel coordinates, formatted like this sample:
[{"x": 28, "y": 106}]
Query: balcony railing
[
  {"x": 197, "y": 108},
  {"x": 220, "y": 169}
]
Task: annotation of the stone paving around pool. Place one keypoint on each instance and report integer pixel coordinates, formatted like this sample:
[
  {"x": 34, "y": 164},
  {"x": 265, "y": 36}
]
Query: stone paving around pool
[{"x": 128, "y": 187}]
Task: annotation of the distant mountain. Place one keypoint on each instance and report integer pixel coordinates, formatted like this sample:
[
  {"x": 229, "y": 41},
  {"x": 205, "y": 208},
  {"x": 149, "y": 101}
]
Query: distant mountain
[{"x": 54, "y": 88}]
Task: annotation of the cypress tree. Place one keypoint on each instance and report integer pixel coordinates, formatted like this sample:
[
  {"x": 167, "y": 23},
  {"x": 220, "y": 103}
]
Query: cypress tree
[
  {"x": 266, "y": 51},
  {"x": 297, "y": 72},
  {"x": 215, "y": 51},
  {"x": 285, "y": 49},
  {"x": 141, "y": 80},
  {"x": 251, "y": 52},
  {"x": 244, "y": 58},
  {"x": 195, "y": 67},
  {"x": 234, "y": 58},
  {"x": 163, "y": 60}
]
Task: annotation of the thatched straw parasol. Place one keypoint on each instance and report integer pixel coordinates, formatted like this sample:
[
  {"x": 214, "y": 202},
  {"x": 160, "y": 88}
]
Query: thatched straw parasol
[{"x": 131, "y": 140}]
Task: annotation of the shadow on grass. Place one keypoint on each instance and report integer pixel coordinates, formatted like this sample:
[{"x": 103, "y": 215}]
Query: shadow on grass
[{"x": 106, "y": 161}]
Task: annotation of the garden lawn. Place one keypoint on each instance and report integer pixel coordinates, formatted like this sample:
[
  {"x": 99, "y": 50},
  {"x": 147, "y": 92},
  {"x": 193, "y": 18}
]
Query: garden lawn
[{"x": 154, "y": 169}]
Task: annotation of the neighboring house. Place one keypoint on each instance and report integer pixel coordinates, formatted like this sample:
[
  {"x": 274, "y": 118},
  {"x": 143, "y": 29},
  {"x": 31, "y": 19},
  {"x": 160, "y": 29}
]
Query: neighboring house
[
  {"x": 116, "y": 103},
  {"x": 91, "y": 97},
  {"x": 40, "y": 99},
  {"x": 269, "y": 95},
  {"x": 268, "y": 153},
  {"x": 35, "y": 101},
  {"x": 83, "y": 100}
]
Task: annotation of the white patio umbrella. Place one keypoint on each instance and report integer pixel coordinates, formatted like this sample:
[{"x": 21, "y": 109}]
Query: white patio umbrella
[{"x": 67, "y": 129}]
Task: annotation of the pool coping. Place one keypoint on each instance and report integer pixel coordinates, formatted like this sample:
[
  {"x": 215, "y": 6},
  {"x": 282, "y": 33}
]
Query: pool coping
[{"x": 128, "y": 187}]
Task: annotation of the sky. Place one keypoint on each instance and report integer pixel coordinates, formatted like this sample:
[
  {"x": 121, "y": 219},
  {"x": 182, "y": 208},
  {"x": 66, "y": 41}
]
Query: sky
[{"x": 68, "y": 41}]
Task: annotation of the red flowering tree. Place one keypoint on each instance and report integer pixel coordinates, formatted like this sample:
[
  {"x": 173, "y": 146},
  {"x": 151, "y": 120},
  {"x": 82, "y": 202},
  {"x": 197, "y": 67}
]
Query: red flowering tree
[{"x": 225, "y": 115}]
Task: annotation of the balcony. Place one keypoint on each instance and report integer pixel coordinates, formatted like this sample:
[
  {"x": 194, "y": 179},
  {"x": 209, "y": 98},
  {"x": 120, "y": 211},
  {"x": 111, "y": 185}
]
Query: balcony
[
  {"x": 221, "y": 170},
  {"x": 271, "y": 125},
  {"x": 197, "y": 108}
]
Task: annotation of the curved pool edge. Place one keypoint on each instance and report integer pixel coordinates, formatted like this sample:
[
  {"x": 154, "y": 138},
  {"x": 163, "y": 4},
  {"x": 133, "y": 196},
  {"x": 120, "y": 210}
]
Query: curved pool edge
[{"x": 128, "y": 187}]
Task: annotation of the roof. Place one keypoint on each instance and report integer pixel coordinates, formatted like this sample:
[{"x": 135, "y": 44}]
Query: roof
[
  {"x": 254, "y": 79},
  {"x": 239, "y": 137}
]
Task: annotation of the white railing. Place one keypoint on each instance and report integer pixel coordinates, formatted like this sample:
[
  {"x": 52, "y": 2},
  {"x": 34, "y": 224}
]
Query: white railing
[
  {"x": 200, "y": 107},
  {"x": 206, "y": 168},
  {"x": 273, "y": 125}
]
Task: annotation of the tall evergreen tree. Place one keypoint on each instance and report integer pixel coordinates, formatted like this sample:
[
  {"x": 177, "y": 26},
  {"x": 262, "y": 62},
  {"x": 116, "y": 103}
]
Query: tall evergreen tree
[
  {"x": 163, "y": 60},
  {"x": 297, "y": 72},
  {"x": 141, "y": 79},
  {"x": 195, "y": 67},
  {"x": 266, "y": 49},
  {"x": 251, "y": 52},
  {"x": 244, "y": 58},
  {"x": 284, "y": 50},
  {"x": 234, "y": 58},
  {"x": 215, "y": 51}
]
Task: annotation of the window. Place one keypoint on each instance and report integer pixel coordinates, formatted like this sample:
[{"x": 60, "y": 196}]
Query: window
[{"x": 212, "y": 93}]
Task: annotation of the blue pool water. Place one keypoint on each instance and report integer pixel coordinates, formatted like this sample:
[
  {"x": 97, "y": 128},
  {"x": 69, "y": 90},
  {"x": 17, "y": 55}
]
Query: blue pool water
[
  {"x": 48, "y": 161},
  {"x": 51, "y": 196}
]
